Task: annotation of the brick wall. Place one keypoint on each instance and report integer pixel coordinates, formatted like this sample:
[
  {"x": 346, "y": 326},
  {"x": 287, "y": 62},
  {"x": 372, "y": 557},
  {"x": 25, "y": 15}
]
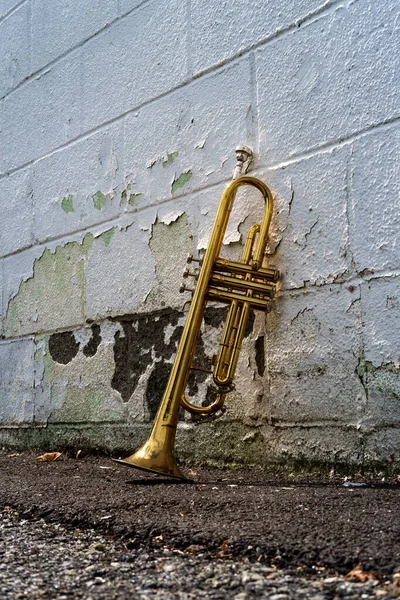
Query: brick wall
[{"x": 118, "y": 123}]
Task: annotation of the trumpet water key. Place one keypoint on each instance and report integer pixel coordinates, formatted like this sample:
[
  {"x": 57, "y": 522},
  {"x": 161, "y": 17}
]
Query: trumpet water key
[{"x": 243, "y": 285}]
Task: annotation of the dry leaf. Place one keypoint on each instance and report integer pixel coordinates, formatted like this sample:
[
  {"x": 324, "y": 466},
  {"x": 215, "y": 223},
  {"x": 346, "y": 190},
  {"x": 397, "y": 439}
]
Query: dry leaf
[
  {"x": 48, "y": 456},
  {"x": 224, "y": 550},
  {"x": 363, "y": 576},
  {"x": 158, "y": 539},
  {"x": 194, "y": 549},
  {"x": 12, "y": 455}
]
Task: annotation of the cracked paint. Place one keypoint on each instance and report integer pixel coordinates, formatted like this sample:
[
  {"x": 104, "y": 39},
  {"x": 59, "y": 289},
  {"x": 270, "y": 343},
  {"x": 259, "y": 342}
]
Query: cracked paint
[{"x": 170, "y": 243}]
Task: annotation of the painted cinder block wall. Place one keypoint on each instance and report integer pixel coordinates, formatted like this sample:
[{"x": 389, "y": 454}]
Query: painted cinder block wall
[{"x": 118, "y": 123}]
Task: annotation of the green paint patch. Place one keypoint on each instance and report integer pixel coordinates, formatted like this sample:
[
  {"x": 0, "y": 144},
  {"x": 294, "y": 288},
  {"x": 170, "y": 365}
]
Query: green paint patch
[
  {"x": 54, "y": 296},
  {"x": 171, "y": 156},
  {"x": 83, "y": 405},
  {"x": 66, "y": 204},
  {"x": 181, "y": 181},
  {"x": 99, "y": 200},
  {"x": 107, "y": 236},
  {"x": 37, "y": 355},
  {"x": 132, "y": 198}
]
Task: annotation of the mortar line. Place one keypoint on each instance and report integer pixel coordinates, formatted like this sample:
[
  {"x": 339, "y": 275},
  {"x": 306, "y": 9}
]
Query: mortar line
[
  {"x": 143, "y": 315},
  {"x": 332, "y": 145},
  {"x": 326, "y": 8},
  {"x": 12, "y": 10},
  {"x": 321, "y": 12},
  {"x": 67, "y": 236},
  {"x": 213, "y": 69},
  {"x": 294, "y": 158},
  {"x": 87, "y": 134},
  {"x": 255, "y": 130},
  {"x": 72, "y": 49}
]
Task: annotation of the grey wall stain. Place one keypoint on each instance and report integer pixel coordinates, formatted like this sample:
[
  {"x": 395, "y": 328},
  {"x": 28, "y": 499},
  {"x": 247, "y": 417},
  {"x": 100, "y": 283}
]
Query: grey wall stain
[
  {"x": 133, "y": 349},
  {"x": 63, "y": 347},
  {"x": 91, "y": 347}
]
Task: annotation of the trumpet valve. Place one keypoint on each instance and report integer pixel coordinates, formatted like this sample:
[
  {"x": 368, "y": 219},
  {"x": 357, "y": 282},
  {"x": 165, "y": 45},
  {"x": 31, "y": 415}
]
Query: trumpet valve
[
  {"x": 187, "y": 273},
  {"x": 183, "y": 288},
  {"x": 191, "y": 258}
]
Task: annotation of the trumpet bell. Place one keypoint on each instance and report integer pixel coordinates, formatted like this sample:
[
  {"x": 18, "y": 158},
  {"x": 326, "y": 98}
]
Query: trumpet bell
[{"x": 156, "y": 457}]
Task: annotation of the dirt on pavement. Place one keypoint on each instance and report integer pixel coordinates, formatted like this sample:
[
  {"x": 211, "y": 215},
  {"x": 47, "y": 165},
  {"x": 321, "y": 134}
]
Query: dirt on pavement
[{"x": 300, "y": 522}]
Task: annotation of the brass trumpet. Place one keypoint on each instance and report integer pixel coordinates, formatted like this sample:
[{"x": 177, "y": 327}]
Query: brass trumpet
[{"x": 243, "y": 285}]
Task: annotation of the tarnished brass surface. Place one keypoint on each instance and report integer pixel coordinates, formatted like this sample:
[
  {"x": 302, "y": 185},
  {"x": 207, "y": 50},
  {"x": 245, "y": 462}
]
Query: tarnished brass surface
[{"x": 243, "y": 285}]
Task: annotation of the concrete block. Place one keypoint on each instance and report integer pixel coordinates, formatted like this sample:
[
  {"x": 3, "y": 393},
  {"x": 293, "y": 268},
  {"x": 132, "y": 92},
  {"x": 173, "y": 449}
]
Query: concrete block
[
  {"x": 16, "y": 212},
  {"x": 80, "y": 185},
  {"x": 187, "y": 140},
  {"x": 380, "y": 301},
  {"x": 42, "y": 114},
  {"x": 77, "y": 390},
  {"x": 379, "y": 366},
  {"x": 1, "y": 137},
  {"x": 375, "y": 200},
  {"x": 119, "y": 274},
  {"x": 328, "y": 79},
  {"x": 1, "y": 295},
  {"x": 58, "y": 25},
  {"x": 16, "y": 383},
  {"x": 225, "y": 28},
  {"x": 133, "y": 61},
  {"x": 382, "y": 450},
  {"x": 313, "y": 342},
  {"x": 309, "y": 230},
  {"x": 14, "y": 49}
]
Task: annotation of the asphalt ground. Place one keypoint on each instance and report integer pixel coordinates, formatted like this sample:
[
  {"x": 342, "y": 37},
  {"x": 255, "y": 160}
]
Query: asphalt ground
[{"x": 97, "y": 529}]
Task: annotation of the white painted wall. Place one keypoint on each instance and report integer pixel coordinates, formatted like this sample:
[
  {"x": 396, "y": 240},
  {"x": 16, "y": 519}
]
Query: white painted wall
[{"x": 118, "y": 123}]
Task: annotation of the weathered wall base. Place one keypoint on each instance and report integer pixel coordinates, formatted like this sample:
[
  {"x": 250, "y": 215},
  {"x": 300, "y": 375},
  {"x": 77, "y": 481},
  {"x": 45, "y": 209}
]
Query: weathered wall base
[{"x": 343, "y": 449}]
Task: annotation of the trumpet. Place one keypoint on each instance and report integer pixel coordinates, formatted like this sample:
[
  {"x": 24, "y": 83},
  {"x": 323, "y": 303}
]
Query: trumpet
[{"x": 243, "y": 285}]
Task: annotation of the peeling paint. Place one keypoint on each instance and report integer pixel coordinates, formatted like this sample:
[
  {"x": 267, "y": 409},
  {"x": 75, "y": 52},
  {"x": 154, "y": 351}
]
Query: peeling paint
[
  {"x": 171, "y": 156},
  {"x": 170, "y": 244},
  {"x": 107, "y": 236},
  {"x": 54, "y": 296},
  {"x": 67, "y": 204},
  {"x": 79, "y": 390},
  {"x": 181, "y": 181},
  {"x": 133, "y": 197},
  {"x": 99, "y": 200},
  {"x": 171, "y": 217}
]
